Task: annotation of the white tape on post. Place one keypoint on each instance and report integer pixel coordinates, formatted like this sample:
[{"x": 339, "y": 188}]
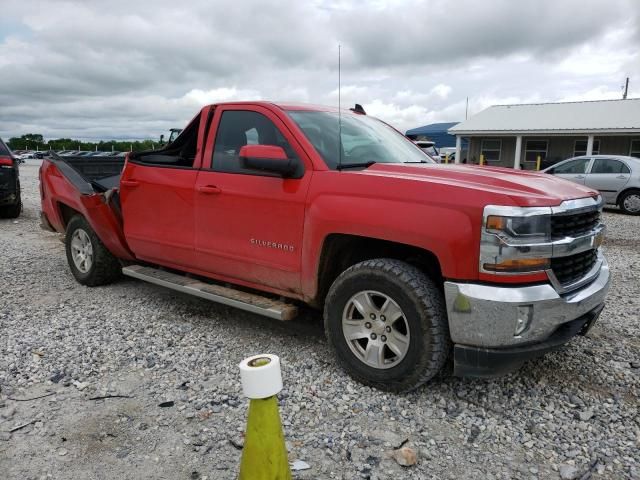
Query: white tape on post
[{"x": 260, "y": 376}]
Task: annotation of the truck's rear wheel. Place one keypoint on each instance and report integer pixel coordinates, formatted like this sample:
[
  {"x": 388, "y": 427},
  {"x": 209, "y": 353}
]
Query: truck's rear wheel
[
  {"x": 90, "y": 262},
  {"x": 387, "y": 325}
]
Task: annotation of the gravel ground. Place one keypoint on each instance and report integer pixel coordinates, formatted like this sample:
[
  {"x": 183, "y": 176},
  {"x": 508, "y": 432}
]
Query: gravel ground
[{"x": 572, "y": 414}]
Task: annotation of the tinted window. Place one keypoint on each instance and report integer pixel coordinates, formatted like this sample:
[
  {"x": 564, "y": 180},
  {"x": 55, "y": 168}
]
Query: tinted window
[
  {"x": 581, "y": 148},
  {"x": 574, "y": 166},
  {"x": 4, "y": 150},
  {"x": 606, "y": 165},
  {"x": 241, "y": 127},
  {"x": 535, "y": 149},
  {"x": 490, "y": 149}
]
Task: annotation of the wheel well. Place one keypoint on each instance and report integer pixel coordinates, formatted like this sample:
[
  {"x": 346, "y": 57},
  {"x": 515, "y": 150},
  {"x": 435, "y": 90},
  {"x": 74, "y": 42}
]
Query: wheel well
[
  {"x": 66, "y": 213},
  {"x": 622, "y": 193},
  {"x": 340, "y": 252}
]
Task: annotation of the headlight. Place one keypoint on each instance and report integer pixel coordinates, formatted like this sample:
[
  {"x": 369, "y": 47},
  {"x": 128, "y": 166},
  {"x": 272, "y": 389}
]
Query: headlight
[
  {"x": 515, "y": 227},
  {"x": 515, "y": 240}
]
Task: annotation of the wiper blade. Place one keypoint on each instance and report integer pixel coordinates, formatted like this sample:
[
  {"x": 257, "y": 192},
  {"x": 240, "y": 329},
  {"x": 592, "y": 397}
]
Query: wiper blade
[{"x": 342, "y": 166}]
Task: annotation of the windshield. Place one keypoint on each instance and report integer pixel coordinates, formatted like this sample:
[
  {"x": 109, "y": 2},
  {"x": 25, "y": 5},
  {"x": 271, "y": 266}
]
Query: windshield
[{"x": 364, "y": 139}]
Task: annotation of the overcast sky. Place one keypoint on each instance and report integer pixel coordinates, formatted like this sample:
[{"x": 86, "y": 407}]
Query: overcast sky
[{"x": 133, "y": 69}]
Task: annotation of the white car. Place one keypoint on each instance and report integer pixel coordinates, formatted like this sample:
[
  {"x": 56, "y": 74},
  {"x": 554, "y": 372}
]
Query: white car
[
  {"x": 616, "y": 177},
  {"x": 429, "y": 148}
]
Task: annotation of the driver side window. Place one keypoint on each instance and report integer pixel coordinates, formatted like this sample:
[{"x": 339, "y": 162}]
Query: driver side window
[
  {"x": 238, "y": 128},
  {"x": 573, "y": 167}
]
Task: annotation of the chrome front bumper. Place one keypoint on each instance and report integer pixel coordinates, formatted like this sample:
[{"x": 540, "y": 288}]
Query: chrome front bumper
[{"x": 488, "y": 316}]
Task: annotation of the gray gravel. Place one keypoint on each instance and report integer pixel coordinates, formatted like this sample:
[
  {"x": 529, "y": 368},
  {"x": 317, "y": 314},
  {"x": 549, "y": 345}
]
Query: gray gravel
[{"x": 573, "y": 414}]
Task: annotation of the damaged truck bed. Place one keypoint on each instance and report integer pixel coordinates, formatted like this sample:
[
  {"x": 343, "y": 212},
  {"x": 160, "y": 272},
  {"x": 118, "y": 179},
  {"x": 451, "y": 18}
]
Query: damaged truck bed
[{"x": 88, "y": 186}]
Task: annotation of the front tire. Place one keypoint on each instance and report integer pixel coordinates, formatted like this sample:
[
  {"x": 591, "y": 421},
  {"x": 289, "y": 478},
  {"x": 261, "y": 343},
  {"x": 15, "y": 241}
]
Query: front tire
[
  {"x": 386, "y": 323},
  {"x": 90, "y": 261},
  {"x": 630, "y": 202}
]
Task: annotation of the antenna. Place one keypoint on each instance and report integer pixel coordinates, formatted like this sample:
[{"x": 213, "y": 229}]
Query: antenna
[
  {"x": 339, "y": 114},
  {"x": 626, "y": 89}
]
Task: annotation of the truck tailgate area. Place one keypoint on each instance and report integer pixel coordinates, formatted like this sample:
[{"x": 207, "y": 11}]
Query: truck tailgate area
[{"x": 88, "y": 186}]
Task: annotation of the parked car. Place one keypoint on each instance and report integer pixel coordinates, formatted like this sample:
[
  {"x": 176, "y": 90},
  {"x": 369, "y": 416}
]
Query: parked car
[
  {"x": 447, "y": 151},
  {"x": 10, "y": 198},
  {"x": 429, "y": 148},
  {"x": 411, "y": 261},
  {"x": 616, "y": 177}
]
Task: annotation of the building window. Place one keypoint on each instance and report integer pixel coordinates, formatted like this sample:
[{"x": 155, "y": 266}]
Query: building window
[
  {"x": 534, "y": 149},
  {"x": 580, "y": 148},
  {"x": 491, "y": 149},
  {"x": 634, "y": 151}
]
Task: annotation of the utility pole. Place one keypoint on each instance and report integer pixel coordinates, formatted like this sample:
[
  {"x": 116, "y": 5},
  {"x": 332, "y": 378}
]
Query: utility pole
[
  {"x": 466, "y": 110},
  {"x": 626, "y": 89}
]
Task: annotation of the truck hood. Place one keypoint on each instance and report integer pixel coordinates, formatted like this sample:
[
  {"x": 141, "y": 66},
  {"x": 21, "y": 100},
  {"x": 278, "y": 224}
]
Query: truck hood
[{"x": 525, "y": 188}]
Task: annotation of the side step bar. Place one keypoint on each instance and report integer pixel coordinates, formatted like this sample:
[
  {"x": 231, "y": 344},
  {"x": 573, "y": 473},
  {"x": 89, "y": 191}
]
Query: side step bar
[{"x": 228, "y": 296}]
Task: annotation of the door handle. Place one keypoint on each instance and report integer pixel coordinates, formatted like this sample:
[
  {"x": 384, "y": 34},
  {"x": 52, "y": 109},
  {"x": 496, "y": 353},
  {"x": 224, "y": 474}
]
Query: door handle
[
  {"x": 129, "y": 183},
  {"x": 622, "y": 177},
  {"x": 580, "y": 176},
  {"x": 209, "y": 189}
]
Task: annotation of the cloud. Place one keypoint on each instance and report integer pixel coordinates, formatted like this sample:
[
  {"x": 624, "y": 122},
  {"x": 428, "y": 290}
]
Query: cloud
[{"x": 76, "y": 68}]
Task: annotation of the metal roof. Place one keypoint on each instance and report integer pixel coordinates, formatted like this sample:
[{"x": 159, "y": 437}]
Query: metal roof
[
  {"x": 432, "y": 128},
  {"x": 436, "y": 132},
  {"x": 601, "y": 116}
]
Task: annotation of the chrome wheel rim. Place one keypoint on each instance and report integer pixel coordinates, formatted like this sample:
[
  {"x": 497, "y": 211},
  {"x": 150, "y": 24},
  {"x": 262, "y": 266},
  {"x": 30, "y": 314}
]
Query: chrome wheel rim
[
  {"x": 376, "y": 329},
  {"x": 632, "y": 203},
  {"x": 81, "y": 251}
]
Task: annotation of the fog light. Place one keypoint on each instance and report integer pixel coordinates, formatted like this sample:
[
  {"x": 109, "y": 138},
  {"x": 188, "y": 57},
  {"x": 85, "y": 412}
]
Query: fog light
[{"x": 523, "y": 320}]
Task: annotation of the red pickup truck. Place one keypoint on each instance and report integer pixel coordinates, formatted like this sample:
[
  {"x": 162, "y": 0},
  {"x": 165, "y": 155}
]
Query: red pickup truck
[{"x": 268, "y": 206}]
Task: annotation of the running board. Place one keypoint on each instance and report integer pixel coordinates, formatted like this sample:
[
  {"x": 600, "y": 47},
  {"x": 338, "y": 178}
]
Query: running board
[{"x": 228, "y": 296}]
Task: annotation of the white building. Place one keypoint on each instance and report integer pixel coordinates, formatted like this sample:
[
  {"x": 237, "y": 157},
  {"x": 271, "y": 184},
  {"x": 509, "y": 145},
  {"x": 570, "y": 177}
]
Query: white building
[{"x": 515, "y": 135}]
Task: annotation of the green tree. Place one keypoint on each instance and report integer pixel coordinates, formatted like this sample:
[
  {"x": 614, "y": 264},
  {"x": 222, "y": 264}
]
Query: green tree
[{"x": 33, "y": 141}]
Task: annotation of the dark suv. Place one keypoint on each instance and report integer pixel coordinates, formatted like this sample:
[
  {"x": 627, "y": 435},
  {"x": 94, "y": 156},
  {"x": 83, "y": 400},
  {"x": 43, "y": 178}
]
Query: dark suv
[{"x": 10, "y": 201}]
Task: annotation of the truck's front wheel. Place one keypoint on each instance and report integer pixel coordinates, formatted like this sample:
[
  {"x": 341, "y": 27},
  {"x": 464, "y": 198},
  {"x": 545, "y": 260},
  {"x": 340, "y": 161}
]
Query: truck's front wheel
[
  {"x": 90, "y": 261},
  {"x": 387, "y": 325}
]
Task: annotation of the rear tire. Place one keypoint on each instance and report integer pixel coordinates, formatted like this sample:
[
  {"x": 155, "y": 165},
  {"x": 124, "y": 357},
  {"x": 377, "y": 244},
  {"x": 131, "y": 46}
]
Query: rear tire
[
  {"x": 630, "y": 202},
  {"x": 90, "y": 261},
  {"x": 401, "y": 339},
  {"x": 12, "y": 211}
]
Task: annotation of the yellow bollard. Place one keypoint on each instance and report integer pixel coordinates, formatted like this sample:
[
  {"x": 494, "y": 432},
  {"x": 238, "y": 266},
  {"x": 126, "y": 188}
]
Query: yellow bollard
[
  {"x": 264, "y": 455},
  {"x": 538, "y": 163},
  {"x": 481, "y": 159}
]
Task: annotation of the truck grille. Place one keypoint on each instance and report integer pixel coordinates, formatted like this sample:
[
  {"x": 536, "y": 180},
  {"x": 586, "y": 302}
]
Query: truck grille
[
  {"x": 574, "y": 224},
  {"x": 572, "y": 268}
]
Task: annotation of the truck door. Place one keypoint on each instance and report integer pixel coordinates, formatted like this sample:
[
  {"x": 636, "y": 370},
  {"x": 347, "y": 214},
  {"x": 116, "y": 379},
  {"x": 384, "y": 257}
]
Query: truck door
[
  {"x": 157, "y": 211},
  {"x": 249, "y": 223}
]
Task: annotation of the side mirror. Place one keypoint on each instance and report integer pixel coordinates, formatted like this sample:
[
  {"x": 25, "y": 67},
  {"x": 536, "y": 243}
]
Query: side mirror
[{"x": 267, "y": 158}]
